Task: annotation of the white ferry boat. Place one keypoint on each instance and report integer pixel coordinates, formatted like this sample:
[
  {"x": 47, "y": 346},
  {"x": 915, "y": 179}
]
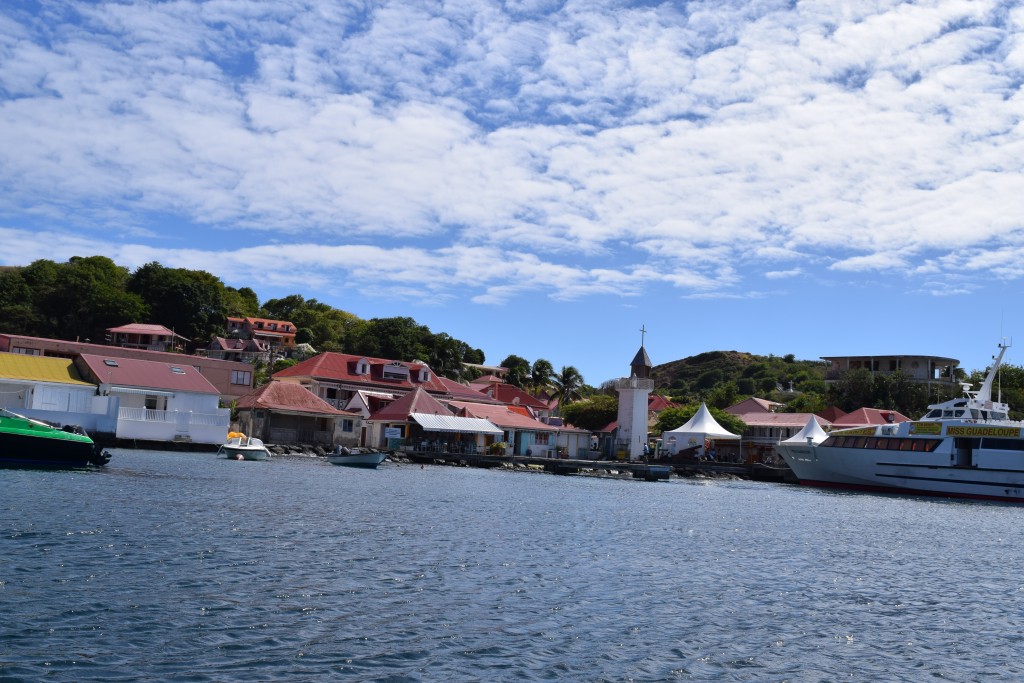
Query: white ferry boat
[{"x": 963, "y": 448}]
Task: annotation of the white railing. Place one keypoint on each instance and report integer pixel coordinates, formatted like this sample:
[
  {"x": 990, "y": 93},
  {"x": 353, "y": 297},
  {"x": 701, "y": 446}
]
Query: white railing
[{"x": 147, "y": 415}]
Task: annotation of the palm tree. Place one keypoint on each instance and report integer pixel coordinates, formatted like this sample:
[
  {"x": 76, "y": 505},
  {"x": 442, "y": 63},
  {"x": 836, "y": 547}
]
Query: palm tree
[
  {"x": 540, "y": 374},
  {"x": 568, "y": 385}
]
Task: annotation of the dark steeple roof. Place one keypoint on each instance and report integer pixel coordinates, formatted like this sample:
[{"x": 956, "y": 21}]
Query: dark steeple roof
[{"x": 641, "y": 365}]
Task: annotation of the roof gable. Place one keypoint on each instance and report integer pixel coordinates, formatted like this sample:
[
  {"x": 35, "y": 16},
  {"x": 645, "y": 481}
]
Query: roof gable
[
  {"x": 287, "y": 396},
  {"x": 416, "y": 401}
]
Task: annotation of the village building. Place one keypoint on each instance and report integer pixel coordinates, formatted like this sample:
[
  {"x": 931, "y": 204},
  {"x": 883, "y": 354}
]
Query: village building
[
  {"x": 419, "y": 422},
  {"x": 239, "y": 350},
  {"x": 232, "y": 379},
  {"x": 53, "y": 390},
  {"x": 276, "y": 334},
  {"x": 145, "y": 336},
  {"x": 158, "y": 401},
  {"x": 927, "y": 369},
  {"x": 337, "y": 377},
  {"x": 287, "y": 413},
  {"x": 509, "y": 394},
  {"x": 523, "y": 434}
]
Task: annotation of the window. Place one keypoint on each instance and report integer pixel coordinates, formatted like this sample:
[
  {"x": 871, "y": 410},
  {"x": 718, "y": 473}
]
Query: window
[
  {"x": 26, "y": 351},
  {"x": 241, "y": 377},
  {"x": 396, "y": 371},
  {"x": 110, "y": 362},
  {"x": 347, "y": 425},
  {"x": 542, "y": 439}
]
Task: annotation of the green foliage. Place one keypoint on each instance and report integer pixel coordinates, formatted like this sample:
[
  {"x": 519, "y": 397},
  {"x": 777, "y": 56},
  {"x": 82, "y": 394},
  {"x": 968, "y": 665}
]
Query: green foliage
[
  {"x": 592, "y": 413},
  {"x": 540, "y": 374},
  {"x": 568, "y": 385},
  {"x": 241, "y": 303},
  {"x": 190, "y": 302},
  {"x": 518, "y": 370}
]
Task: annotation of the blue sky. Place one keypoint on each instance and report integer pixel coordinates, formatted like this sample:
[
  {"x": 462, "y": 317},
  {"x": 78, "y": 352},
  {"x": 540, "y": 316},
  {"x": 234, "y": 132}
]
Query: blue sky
[{"x": 543, "y": 177}]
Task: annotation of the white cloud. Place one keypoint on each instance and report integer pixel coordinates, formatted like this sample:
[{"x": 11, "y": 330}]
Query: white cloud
[{"x": 566, "y": 143}]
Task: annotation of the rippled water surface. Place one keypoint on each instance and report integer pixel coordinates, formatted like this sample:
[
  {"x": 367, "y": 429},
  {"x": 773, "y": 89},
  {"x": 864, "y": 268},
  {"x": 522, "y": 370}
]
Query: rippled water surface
[{"x": 182, "y": 566}]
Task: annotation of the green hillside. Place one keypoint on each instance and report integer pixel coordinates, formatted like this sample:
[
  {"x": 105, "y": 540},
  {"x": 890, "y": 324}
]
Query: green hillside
[{"x": 751, "y": 374}]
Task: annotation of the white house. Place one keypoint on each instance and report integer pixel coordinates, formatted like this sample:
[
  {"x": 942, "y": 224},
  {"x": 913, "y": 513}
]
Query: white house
[{"x": 159, "y": 401}]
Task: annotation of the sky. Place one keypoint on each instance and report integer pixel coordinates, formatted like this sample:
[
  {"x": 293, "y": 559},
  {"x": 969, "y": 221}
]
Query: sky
[{"x": 542, "y": 177}]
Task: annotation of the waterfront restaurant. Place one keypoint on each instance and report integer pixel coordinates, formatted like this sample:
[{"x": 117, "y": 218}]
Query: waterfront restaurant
[{"x": 419, "y": 422}]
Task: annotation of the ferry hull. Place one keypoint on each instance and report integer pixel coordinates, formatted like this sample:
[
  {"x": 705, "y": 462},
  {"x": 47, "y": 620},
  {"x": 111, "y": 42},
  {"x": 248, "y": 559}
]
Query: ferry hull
[
  {"x": 893, "y": 472},
  {"x": 22, "y": 450}
]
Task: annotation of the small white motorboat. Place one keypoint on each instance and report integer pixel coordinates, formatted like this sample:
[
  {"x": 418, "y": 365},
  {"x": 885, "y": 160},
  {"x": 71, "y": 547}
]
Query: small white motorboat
[
  {"x": 359, "y": 457},
  {"x": 242, "y": 447}
]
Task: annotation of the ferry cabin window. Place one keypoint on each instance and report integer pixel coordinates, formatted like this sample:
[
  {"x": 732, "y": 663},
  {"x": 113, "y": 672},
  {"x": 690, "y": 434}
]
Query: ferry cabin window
[
  {"x": 1002, "y": 444},
  {"x": 934, "y": 413}
]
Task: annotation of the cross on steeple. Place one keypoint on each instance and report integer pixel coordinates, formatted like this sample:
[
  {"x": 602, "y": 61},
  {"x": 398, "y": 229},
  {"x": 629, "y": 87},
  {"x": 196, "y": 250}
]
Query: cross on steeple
[{"x": 643, "y": 331}]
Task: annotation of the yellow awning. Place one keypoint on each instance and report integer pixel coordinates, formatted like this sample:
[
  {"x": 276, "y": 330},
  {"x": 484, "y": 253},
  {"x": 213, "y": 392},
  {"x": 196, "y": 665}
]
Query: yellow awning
[{"x": 17, "y": 366}]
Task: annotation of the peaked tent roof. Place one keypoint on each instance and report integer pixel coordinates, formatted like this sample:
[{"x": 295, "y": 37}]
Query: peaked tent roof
[
  {"x": 288, "y": 397},
  {"x": 703, "y": 422},
  {"x": 416, "y": 401},
  {"x": 812, "y": 430}
]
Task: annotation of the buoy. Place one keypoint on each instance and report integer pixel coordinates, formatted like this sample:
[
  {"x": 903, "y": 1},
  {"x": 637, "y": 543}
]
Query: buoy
[{"x": 239, "y": 456}]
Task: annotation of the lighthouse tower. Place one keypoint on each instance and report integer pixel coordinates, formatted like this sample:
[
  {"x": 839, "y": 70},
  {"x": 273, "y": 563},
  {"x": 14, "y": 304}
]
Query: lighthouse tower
[{"x": 633, "y": 394}]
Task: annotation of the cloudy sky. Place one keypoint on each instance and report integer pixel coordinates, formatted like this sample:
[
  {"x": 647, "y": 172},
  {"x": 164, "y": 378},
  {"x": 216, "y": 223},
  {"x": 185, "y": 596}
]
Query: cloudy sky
[{"x": 543, "y": 177}]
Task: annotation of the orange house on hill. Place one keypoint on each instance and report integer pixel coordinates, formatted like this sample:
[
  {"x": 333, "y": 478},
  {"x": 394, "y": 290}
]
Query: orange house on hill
[{"x": 276, "y": 333}]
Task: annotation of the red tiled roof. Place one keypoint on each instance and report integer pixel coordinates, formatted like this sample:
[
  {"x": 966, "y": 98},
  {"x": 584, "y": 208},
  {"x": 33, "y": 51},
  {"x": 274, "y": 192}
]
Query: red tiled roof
[
  {"x": 754, "y": 404},
  {"x": 487, "y": 379},
  {"x": 657, "y": 403},
  {"x": 760, "y": 419},
  {"x": 341, "y": 367},
  {"x": 510, "y": 394},
  {"x": 147, "y": 374},
  {"x": 832, "y": 413},
  {"x": 502, "y": 416},
  {"x": 868, "y": 416},
  {"x": 143, "y": 329},
  {"x": 416, "y": 401},
  {"x": 462, "y": 392},
  {"x": 288, "y": 396}
]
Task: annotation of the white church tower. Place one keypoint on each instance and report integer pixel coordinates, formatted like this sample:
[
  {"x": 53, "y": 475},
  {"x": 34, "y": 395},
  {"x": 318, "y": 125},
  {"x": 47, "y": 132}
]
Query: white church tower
[{"x": 633, "y": 398}]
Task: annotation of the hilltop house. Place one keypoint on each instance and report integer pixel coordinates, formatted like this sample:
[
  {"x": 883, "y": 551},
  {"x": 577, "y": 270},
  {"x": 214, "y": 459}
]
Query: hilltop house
[
  {"x": 276, "y": 334},
  {"x": 147, "y": 337},
  {"x": 926, "y": 369}
]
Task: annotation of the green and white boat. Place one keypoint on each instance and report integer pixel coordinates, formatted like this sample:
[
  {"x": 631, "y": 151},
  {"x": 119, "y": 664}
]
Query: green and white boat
[{"x": 26, "y": 442}]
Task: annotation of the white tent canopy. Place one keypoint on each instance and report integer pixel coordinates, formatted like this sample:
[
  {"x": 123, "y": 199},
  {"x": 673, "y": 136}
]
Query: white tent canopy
[
  {"x": 701, "y": 426},
  {"x": 812, "y": 430}
]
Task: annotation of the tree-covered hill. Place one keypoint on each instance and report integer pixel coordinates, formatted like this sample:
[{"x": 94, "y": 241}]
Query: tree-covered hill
[{"x": 751, "y": 374}]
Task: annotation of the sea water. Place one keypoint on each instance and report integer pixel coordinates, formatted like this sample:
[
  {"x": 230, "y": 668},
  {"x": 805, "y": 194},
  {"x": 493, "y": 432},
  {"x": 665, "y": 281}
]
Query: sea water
[{"x": 185, "y": 567}]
